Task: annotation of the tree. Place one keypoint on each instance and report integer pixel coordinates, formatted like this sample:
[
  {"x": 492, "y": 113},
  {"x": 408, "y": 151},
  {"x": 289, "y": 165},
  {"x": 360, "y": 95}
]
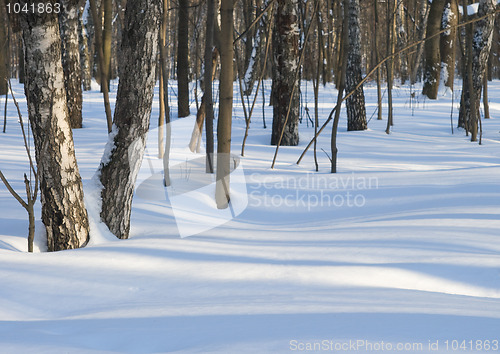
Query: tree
[
  {"x": 63, "y": 211},
  {"x": 356, "y": 110},
  {"x": 432, "y": 70},
  {"x": 183, "y": 59},
  {"x": 286, "y": 102},
  {"x": 68, "y": 25},
  {"x": 107, "y": 36},
  {"x": 3, "y": 50},
  {"x": 222, "y": 195},
  {"x": 118, "y": 171},
  {"x": 479, "y": 49},
  {"x": 448, "y": 41}
]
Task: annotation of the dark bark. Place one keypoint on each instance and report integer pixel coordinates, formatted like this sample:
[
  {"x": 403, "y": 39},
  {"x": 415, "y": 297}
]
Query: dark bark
[
  {"x": 448, "y": 41},
  {"x": 479, "y": 47},
  {"x": 63, "y": 210},
  {"x": 118, "y": 173},
  {"x": 356, "y": 110},
  {"x": 222, "y": 195},
  {"x": 183, "y": 59},
  {"x": 210, "y": 66},
  {"x": 286, "y": 61},
  {"x": 432, "y": 69},
  {"x": 68, "y": 25}
]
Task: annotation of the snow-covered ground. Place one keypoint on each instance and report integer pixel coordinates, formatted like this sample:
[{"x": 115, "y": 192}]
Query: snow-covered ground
[{"x": 399, "y": 251}]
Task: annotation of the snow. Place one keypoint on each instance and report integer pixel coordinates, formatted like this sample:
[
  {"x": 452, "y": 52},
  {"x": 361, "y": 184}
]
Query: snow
[{"x": 415, "y": 262}]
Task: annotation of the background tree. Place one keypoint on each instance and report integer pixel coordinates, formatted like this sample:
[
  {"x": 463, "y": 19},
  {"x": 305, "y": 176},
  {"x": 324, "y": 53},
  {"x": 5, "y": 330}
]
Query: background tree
[
  {"x": 68, "y": 25},
  {"x": 479, "y": 49},
  {"x": 63, "y": 211},
  {"x": 183, "y": 59},
  {"x": 448, "y": 41},
  {"x": 107, "y": 37},
  {"x": 432, "y": 70},
  {"x": 222, "y": 195},
  {"x": 118, "y": 173},
  {"x": 286, "y": 93},
  {"x": 3, "y": 50},
  {"x": 356, "y": 110}
]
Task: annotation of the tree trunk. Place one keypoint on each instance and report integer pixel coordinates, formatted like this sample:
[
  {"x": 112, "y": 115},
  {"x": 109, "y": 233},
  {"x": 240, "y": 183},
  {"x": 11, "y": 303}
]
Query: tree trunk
[
  {"x": 183, "y": 59},
  {"x": 432, "y": 70},
  {"x": 68, "y": 24},
  {"x": 118, "y": 172},
  {"x": 63, "y": 210},
  {"x": 448, "y": 41},
  {"x": 401, "y": 41},
  {"x": 356, "y": 110},
  {"x": 85, "y": 62},
  {"x": 286, "y": 61},
  {"x": 391, "y": 28},
  {"x": 379, "y": 79},
  {"x": 341, "y": 71},
  {"x": 3, "y": 50},
  {"x": 210, "y": 66},
  {"x": 222, "y": 196},
  {"x": 480, "y": 46},
  {"x": 107, "y": 37},
  {"x": 486, "y": 103}
]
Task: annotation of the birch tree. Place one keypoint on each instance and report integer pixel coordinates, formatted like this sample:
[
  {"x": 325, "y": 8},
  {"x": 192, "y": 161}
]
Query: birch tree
[
  {"x": 356, "y": 110},
  {"x": 63, "y": 211},
  {"x": 432, "y": 68},
  {"x": 118, "y": 171},
  {"x": 286, "y": 102},
  {"x": 68, "y": 24}
]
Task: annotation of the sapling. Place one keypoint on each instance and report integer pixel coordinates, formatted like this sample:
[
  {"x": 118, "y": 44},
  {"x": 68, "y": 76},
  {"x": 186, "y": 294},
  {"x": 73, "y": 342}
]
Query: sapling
[{"x": 31, "y": 188}]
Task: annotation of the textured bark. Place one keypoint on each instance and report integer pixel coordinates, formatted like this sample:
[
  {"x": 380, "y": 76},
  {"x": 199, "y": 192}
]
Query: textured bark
[
  {"x": 432, "y": 69},
  {"x": 222, "y": 195},
  {"x": 391, "y": 33},
  {"x": 63, "y": 210},
  {"x": 183, "y": 59},
  {"x": 68, "y": 24},
  {"x": 481, "y": 45},
  {"x": 286, "y": 61},
  {"x": 356, "y": 110},
  {"x": 3, "y": 50},
  {"x": 257, "y": 52},
  {"x": 118, "y": 173},
  {"x": 448, "y": 41},
  {"x": 402, "y": 40}
]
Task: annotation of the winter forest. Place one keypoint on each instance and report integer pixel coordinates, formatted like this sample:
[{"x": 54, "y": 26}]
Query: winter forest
[{"x": 249, "y": 176}]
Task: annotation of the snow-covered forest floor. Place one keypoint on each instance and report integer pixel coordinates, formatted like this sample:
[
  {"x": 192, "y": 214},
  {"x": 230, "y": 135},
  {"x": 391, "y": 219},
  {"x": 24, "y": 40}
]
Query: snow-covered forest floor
[{"x": 400, "y": 250}]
